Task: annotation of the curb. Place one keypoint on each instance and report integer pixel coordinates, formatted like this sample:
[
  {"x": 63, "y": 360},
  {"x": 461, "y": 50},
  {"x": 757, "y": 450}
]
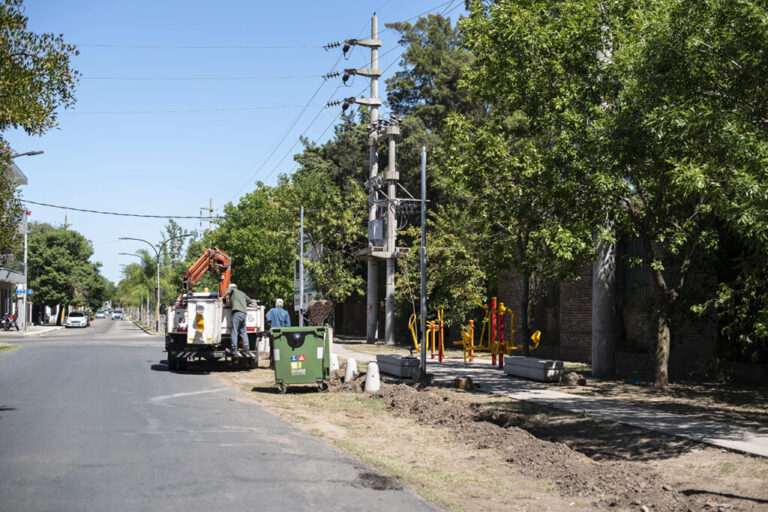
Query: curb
[
  {"x": 146, "y": 331},
  {"x": 29, "y": 334}
]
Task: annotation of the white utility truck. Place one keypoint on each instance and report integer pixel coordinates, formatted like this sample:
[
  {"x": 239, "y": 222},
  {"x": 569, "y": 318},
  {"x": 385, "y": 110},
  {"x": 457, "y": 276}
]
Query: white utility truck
[{"x": 198, "y": 326}]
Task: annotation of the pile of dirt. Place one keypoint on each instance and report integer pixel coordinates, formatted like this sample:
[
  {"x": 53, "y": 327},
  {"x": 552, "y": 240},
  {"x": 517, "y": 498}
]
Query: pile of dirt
[
  {"x": 616, "y": 483},
  {"x": 338, "y": 385}
]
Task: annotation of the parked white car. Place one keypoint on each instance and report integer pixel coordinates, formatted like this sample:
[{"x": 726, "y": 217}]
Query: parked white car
[{"x": 77, "y": 319}]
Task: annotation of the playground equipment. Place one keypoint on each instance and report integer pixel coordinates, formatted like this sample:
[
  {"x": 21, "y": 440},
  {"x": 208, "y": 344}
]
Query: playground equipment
[
  {"x": 491, "y": 338},
  {"x": 493, "y": 325},
  {"x": 435, "y": 333}
]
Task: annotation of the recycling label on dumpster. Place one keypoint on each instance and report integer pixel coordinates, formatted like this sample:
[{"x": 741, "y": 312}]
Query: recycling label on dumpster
[{"x": 296, "y": 365}]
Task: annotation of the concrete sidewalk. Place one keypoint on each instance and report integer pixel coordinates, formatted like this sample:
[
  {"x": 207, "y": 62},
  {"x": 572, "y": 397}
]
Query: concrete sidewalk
[
  {"x": 32, "y": 330},
  {"x": 493, "y": 380}
]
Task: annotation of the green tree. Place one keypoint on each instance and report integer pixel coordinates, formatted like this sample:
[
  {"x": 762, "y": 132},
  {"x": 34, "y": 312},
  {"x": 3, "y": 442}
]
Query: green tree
[
  {"x": 35, "y": 79},
  {"x": 11, "y": 212},
  {"x": 335, "y": 228},
  {"x": 60, "y": 270},
  {"x": 424, "y": 93},
  {"x": 139, "y": 280},
  {"x": 515, "y": 169},
  {"x": 257, "y": 233},
  {"x": 688, "y": 131},
  {"x": 174, "y": 260},
  {"x": 345, "y": 155},
  {"x": 657, "y": 105},
  {"x": 36, "y": 76},
  {"x": 427, "y": 90}
]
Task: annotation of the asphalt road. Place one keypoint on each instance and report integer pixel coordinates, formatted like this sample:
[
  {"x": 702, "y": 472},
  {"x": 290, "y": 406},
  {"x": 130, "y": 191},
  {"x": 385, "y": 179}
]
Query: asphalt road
[{"x": 91, "y": 419}]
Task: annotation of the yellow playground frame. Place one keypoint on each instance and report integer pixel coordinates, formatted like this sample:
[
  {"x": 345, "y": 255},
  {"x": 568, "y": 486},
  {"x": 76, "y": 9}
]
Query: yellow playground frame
[{"x": 491, "y": 336}]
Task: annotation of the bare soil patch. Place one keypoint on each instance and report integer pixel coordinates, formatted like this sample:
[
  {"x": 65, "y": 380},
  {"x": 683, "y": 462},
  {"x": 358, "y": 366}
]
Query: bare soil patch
[{"x": 474, "y": 451}]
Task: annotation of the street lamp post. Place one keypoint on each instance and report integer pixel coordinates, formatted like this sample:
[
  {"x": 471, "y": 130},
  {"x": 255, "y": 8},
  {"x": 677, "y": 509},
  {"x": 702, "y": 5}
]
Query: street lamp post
[{"x": 157, "y": 259}]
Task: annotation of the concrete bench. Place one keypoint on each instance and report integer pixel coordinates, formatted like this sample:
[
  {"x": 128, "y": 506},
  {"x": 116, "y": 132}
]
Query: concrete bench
[
  {"x": 544, "y": 370},
  {"x": 397, "y": 365}
]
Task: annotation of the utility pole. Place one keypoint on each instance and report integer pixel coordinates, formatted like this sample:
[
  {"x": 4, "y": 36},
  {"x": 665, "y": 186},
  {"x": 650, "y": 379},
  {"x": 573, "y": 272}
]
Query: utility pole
[
  {"x": 381, "y": 242},
  {"x": 423, "y": 263},
  {"x": 372, "y": 298},
  {"x": 210, "y": 214},
  {"x": 392, "y": 176},
  {"x": 26, "y": 273},
  {"x": 66, "y": 224},
  {"x": 301, "y": 271}
]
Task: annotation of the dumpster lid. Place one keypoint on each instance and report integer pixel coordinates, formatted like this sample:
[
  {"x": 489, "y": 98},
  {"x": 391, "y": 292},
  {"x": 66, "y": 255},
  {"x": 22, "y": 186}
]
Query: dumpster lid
[{"x": 295, "y": 339}]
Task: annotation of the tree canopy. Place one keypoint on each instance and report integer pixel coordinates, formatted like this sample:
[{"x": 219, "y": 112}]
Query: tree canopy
[
  {"x": 655, "y": 109},
  {"x": 60, "y": 270},
  {"x": 36, "y": 78}
]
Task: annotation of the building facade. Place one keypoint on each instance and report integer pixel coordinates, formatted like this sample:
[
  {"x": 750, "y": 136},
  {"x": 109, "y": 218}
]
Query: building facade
[{"x": 12, "y": 271}]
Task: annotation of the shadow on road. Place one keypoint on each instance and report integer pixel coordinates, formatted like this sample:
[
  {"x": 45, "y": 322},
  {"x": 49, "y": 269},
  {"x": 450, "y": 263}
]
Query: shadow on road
[
  {"x": 199, "y": 367},
  {"x": 162, "y": 366}
]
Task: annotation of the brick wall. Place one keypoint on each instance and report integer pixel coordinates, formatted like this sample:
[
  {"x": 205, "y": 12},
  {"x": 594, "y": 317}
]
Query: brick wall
[
  {"x": 576, "y": 318},
  {"x": 693, "y": 342},
  {"x": 510, "y": 291},
  {"x": 566, "y": 325}
]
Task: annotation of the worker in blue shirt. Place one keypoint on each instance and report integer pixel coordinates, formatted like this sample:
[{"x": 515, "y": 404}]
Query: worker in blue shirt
[{"x": 277, "y": 316}]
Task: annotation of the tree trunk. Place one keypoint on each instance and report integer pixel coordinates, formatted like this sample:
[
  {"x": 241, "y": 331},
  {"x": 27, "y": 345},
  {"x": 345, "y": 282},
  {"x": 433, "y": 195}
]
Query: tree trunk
[
  {"x": 524, "y": 312},
  {"x": 662, "y": 350},
  {"x": 605, "y": 329}
]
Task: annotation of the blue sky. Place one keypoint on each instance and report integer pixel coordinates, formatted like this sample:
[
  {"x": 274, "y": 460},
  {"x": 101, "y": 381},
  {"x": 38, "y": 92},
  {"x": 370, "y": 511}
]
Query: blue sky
[{"x": 159, "y": 129}]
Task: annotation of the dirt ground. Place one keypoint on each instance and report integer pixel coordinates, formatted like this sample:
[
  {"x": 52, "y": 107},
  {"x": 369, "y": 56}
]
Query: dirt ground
[{"x": 475, "y": 451}]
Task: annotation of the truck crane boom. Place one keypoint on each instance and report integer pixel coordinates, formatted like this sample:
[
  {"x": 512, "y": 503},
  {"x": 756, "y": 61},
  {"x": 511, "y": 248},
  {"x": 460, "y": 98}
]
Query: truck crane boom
[{"x": 212, "y": 259}]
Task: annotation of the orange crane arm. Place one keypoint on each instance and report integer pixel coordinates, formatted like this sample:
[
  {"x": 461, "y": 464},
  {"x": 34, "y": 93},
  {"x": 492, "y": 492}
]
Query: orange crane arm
[{"x": 212, "y": 259}]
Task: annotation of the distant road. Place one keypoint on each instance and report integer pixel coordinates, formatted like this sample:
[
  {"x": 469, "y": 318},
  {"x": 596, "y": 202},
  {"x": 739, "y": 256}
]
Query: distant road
[{"x": 92, "y": 420}]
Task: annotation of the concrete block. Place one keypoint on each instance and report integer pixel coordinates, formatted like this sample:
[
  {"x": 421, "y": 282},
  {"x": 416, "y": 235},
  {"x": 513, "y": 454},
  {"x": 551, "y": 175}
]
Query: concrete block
[
  {"x": 397, "y": 365},
  {"x": 544, "y": 370}
]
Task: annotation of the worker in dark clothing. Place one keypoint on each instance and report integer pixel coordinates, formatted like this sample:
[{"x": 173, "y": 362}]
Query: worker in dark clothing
[
  {"x": 239, "y": 302},
  {"x": 277, "y": 316}
]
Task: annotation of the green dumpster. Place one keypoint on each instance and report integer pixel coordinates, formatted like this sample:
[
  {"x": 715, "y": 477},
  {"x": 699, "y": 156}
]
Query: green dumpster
[{"x": 301, "y": 356}]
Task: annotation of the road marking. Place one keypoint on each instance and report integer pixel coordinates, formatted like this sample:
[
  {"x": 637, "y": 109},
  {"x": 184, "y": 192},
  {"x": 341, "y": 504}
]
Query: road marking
[{"x": 191, "y": 393}]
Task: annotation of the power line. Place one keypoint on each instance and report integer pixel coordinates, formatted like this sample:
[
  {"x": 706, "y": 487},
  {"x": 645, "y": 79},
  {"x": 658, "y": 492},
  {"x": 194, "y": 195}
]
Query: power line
[
  {"x": 190, "y": 110},
  {"x": 118, "y": 214},
  {"x": 263, "y": 77},
  {"x": 284, "y": 135},
  {"x": 448, "y": 3},
  {"x": 303, "y": 134},
  {"x": 154, "y": 216},
  {"x": 197, "y": 47},
  {"x": 329, "y": 125},
  {"x": 421, "y": 14}
]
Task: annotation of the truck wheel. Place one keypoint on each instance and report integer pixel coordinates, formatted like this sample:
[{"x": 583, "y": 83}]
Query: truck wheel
[
  {"x": 282, "y": 388},
  {"x": 322, "y": 386},
  {"x": 253, "y": 363}
]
